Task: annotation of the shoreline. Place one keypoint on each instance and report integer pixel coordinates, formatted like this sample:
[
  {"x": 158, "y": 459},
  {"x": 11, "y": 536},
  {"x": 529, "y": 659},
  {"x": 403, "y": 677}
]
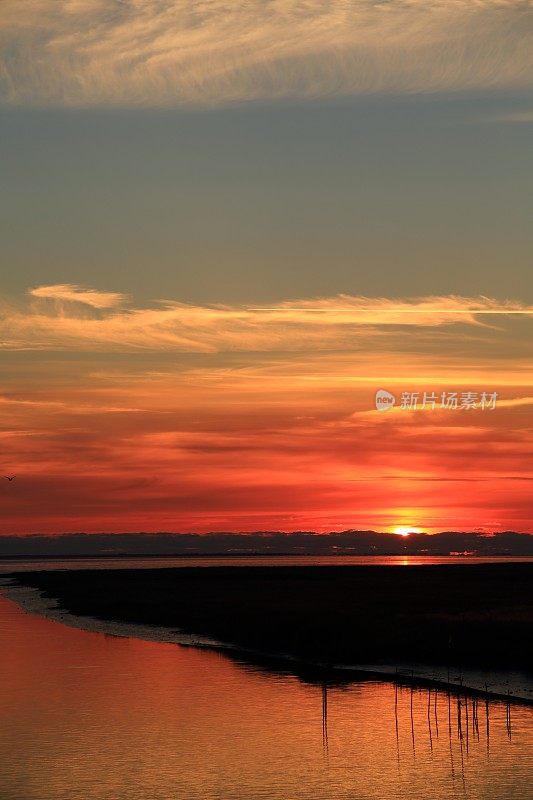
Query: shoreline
[{"x": 508, "y": 686}]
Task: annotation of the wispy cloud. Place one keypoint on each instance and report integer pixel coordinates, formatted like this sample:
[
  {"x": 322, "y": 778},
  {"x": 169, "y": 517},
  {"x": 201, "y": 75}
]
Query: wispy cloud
[
  {"x": 193, "y": 428},
  {"x": 80, "y": 318},
  {"x": 67, "y": 292},
  {"x": 210, "y": 52},
  {"x": 514, "y": 117},
  {"x": 237, "y": 452}
]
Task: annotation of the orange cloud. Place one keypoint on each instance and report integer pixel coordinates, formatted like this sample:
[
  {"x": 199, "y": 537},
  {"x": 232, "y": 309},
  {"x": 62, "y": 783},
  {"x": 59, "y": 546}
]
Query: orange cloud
[
  {"x": 202, "y": 418},
  {"x": 196, "y": 451},
  {"x": 310, "y": 324},
  {"x": 70, "y": 293}
]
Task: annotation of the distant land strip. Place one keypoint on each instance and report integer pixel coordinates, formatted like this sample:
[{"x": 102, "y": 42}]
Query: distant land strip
[{"x": 267, "y": 543}]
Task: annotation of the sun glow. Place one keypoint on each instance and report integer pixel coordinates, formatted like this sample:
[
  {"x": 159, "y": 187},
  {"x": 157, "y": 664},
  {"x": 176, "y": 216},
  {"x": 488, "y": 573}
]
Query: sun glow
[{"x": 404, "y": 530}]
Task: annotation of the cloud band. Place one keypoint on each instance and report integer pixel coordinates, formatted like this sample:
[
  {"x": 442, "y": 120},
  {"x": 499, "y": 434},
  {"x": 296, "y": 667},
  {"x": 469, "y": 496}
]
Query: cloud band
[{"x": 169, "y": 53}]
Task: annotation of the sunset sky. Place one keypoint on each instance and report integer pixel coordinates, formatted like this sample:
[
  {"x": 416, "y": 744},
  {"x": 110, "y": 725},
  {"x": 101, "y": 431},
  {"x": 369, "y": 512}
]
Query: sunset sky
[{"x": 226, "y": 226}]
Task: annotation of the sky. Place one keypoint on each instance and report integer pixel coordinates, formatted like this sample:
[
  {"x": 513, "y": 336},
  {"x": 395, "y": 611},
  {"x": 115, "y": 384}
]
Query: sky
[{"x": 226, "y": 226}]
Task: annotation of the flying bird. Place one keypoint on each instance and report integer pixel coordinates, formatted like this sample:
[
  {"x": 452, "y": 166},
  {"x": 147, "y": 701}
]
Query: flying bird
[{"x": 10, "y": 477}]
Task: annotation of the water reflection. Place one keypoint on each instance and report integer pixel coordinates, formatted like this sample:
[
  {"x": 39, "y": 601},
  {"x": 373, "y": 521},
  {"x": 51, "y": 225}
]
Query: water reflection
[
  {"x": 325, "y": 745},
  {"x": 462, "y": 715},
  {"x": 90, "y": 717},
  {"x": 8, "y": 565}
]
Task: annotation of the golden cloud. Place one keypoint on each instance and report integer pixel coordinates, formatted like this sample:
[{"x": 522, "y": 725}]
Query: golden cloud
[
  {"x": 70, "y": 293},
  {"x": 81, "y": 318},
  {"x": 212, "y": 52}
]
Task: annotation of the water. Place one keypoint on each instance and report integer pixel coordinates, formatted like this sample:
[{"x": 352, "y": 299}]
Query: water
[
  {"x": 152, "y": 562},
  {"x": 88, "y": 716}
]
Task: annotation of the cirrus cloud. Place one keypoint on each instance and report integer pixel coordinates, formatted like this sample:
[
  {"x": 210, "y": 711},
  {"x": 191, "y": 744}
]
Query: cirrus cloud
[
  {"x": 70, "y": 293},
  {"x": 213, "y": 52},
  {"x": 327, "y": 323}
]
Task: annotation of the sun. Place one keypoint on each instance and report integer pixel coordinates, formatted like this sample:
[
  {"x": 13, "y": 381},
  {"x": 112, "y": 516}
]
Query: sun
[{"x": 404, "y": 530}]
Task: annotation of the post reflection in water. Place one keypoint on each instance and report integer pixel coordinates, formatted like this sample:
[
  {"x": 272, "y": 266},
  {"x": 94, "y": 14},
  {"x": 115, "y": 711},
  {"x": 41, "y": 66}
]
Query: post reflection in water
[
  {"x": 466, "y": 708},
  {"x": 93, "y": 717},
  {"x": 462, "y": 712},
  {"x": 325, "y": 719},
  {"x": 435, "y": 701}
]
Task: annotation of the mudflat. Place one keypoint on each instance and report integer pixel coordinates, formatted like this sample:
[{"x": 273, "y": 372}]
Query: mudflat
[{"x": 463, "y": 615}]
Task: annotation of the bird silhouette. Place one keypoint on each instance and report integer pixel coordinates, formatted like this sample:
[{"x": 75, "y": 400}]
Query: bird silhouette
[{"x": 10, "y": 477}]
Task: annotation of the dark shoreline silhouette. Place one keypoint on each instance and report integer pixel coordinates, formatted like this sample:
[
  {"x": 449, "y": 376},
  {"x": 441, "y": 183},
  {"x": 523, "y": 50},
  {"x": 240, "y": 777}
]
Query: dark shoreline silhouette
[
  {"x": 475, "y": 616},
  {"x": 271, "y": 543}
]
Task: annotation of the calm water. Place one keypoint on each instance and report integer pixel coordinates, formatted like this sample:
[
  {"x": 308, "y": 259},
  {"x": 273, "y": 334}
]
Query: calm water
[
  {"x": 92, "y": 717},
  {"x": 124, "y": 562}
]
